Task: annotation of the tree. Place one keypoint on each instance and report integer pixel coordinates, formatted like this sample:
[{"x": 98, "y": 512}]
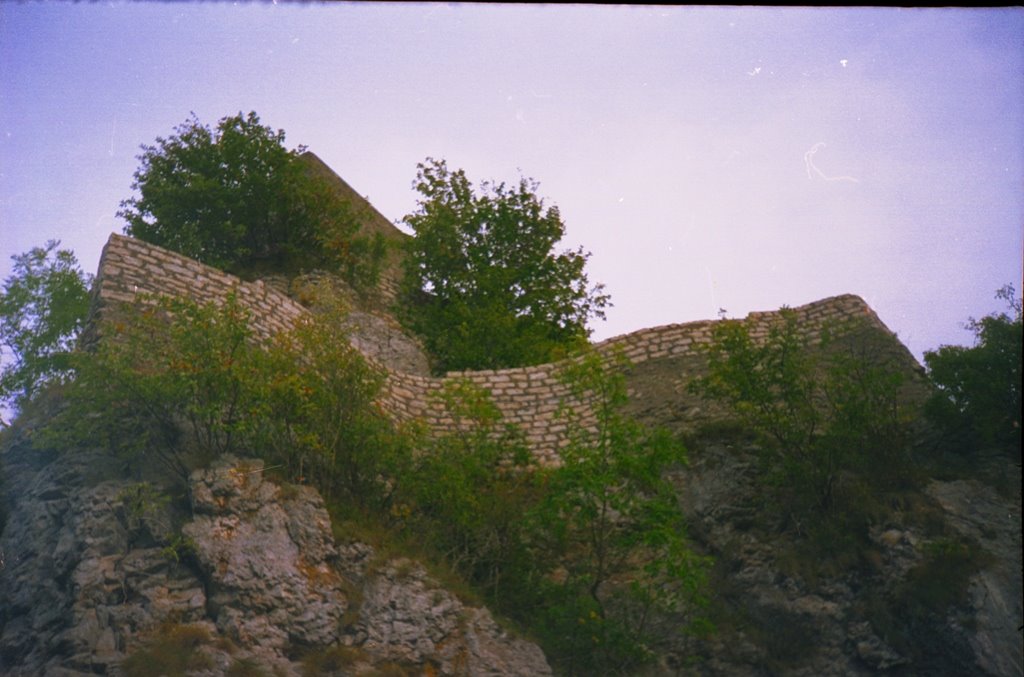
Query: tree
[
  {"x": 180, "y": 382},
  {"x": 234, "y": 197},
  {"x": 486, "y": 288},
  {"x": 610, "y": 515},
  {"x": 42, "y": 308},
  {"x": 469, "y": 490},
  {"x": 824, "y": 410},
  {"x": 979, "y": 387}
]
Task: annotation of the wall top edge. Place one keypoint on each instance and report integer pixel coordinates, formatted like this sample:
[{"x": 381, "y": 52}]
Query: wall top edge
[{"x": 845, "y": 303}]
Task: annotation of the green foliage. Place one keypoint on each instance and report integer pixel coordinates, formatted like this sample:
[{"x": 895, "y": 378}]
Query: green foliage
[
  {"x": 484, "y": 286},
  {"x": 979, "y": 388},
  {"x": 584, "y": 555},
  {"x": 144, "y": 504},
  {"x": 185, "y": 382},
  {"x": 42, "y": 308},
  {"x": 147, "y": 515},
  {"x": 609, "y": 515},
  {"x": 914, "y": 618},
  {"x": 234, "y": 197},
  {"x": 315, "y": 413},
  {"x": 828, "y": 413},
  {"x": 470, "y": 490},
  {"x": 175, "y": 649},
  {"x": 169, "y": 379}
]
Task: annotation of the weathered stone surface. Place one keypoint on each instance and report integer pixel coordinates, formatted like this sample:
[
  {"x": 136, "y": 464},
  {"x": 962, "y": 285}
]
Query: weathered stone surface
[
  {"x": 81, "y": 588},
  {"x": 828, "y": 614},
  {"x": 384, "y": 340},
  {"x": 408, "y": 618},
  {"x": 267, "y": 558},
  {"x": 73, "y": 592},
  {"x": 993, "y": 521},
  {"x": 872, "y": 650}
]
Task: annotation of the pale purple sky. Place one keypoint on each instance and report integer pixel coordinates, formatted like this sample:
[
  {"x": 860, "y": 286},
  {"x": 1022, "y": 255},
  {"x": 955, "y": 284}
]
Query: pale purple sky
[{"x": 738, "y": 157}]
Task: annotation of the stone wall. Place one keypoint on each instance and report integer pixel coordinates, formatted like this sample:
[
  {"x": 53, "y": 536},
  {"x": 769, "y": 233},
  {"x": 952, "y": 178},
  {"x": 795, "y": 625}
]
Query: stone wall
[
  {"x": 528, "y": 397},
  {"x": 130, "y": 268}
]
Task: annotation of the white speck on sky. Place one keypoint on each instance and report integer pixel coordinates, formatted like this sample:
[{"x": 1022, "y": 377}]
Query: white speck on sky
[{"x": 676, "y": 141}]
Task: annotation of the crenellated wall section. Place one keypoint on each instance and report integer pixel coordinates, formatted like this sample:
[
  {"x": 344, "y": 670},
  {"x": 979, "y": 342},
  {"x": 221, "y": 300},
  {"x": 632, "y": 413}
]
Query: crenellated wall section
[{"x": 528, "y": 397}]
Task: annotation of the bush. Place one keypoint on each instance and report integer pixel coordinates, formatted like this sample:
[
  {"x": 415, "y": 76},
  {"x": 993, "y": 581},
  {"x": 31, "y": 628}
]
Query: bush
[
  {"x": 469, "y": 490},
  {"x": 170, "y": 378},
  {"x": 315, "y": 412},
  {"x": 584, "y": 555},
  {"x": 185, "y": 382},
  {"x": 978, "y": 398},
  {"x": 609, "y": 537},
  {"x": 826, "y": 413}
]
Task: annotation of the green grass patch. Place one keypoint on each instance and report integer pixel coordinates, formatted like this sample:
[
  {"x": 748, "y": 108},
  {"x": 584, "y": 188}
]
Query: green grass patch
[{"x": 175, "y": 648}]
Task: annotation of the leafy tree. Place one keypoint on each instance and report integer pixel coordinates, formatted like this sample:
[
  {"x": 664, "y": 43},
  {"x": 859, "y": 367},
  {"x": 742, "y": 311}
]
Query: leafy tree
[
  {"x": 183, "y": 382},
  {"x": 315, "y": 412},
  {"x": 979, "y": 387},
  {"x": 486, "y": 288},
  {"x": 823, "y": 410},
  {"x": 234, "y": 197},
  {"x": 611, "y": 515},
  {"x": 469, "y": 489},
  {"x": 42, "y": 308}
]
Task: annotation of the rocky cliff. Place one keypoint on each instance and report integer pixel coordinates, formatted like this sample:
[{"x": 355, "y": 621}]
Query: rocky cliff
[
  {"x": 238, "y": 573},
  {"x": 100, "y": 576},
  {"x": 94, "y": 580}
]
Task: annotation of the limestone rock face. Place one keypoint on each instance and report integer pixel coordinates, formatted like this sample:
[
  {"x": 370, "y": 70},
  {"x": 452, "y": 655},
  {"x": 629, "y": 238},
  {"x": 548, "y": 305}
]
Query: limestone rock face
[
  {"x": 821, "y": 627},
  {"x": 74, "y": 588},
  {"x": 409, "y": 619},
  {"x": 255, "y": 576},
  {"x": 383, "y": 339},
  {"x": 994, "y": 522},
  {"x": 267, "y": 558}
]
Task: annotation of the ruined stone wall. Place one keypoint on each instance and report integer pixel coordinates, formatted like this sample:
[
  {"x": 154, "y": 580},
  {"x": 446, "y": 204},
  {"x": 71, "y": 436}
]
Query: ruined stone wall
[
  {"x": 130, "y": 268},
  {"x": 528, "y": 397}
]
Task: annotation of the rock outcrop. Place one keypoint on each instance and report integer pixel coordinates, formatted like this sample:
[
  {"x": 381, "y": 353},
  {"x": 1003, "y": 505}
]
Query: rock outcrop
[
  {"x": 231, "y": 572},
  {"x": 94, "y": 578},
  {"x": 855, "y": 620},
  {"x": 75, "y": 590}
]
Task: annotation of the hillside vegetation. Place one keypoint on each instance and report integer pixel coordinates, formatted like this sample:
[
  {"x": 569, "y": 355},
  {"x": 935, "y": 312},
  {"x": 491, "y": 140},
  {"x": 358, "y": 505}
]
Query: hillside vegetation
[{"x": 798, "y": 521}]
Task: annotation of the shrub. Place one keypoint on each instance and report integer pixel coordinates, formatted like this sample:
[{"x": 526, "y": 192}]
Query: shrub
[
  {"x": 826, "y": 412},
  {"x": 979, "y": 388},
  {"x": 609, "y": 530},
  {"x": 234, "y": 197},
  {"x": 185, "y": 382},
  {"x": 470, "y": 489}
]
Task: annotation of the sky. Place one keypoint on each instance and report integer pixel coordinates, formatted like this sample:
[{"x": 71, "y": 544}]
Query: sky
[{"x": 713, "y": 160}]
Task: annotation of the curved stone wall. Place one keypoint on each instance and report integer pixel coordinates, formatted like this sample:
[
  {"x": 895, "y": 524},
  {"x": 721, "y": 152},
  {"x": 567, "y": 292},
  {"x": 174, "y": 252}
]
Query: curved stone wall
[
  {"x": 130, "y": 268},
  {"x": 528, "y": 397}
]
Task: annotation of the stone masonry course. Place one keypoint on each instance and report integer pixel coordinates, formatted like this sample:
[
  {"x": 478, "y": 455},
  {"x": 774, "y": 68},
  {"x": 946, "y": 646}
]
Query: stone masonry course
[{"x": 528, "y": 397}]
